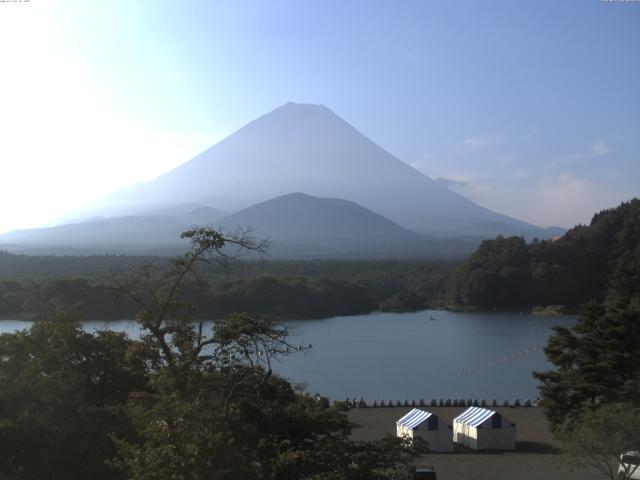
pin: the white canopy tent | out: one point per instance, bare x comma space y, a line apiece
483, 429
426, 425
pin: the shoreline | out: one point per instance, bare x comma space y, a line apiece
548, 311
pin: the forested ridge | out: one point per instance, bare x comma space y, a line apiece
33, 286
511, 273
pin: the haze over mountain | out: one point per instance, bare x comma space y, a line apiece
308, 148
377, 205
301, 225
297, 226
152, 231
299, 217
131, 234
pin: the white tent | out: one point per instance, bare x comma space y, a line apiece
426, 425
483, 429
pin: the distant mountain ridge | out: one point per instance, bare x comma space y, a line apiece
116, 230
297, 226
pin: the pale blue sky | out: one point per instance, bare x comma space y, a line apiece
533, 106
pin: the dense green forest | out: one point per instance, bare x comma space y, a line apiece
33, 286
511, 273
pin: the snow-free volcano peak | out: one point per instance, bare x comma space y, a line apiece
309, 148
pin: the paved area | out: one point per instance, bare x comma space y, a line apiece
536, 456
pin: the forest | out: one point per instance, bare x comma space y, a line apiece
569, 271
33, 286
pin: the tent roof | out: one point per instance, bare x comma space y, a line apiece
474, 416
414, 418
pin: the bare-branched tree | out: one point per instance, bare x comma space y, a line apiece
173, 327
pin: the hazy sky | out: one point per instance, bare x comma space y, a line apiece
533, 107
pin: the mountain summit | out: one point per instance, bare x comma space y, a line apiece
308, 148
298, 218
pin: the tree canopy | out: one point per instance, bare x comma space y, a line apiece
603, 438
597, 360
32, 287
183, 402
571, 270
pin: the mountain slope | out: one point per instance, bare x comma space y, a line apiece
151, 229
298, 226
303, 226
308, 148
301, 218
103, 235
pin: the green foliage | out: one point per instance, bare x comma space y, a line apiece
36, 300
285, 297
384, 459
39, 267
61, 395
180, 403
280, 289
228, 424
597, 360
290, 297
509, 273
600, 439
216, 410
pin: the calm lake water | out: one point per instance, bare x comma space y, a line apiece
396, 356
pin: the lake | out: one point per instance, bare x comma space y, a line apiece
410, 356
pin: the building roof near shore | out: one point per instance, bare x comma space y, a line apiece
474, 416
414, 418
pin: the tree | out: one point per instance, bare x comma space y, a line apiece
171, 326
214, 407
574, 269
341, 459
184, 402
597, 360
61, 396
601, 437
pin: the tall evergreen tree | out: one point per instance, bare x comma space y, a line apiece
597, 360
